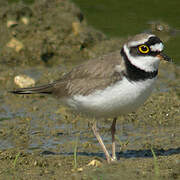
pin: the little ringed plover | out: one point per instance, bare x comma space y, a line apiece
109, 86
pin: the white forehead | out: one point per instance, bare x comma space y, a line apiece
157, 47
140, 41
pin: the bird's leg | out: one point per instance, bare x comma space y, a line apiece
96, 133
113, 131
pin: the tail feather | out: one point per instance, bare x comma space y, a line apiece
44, 89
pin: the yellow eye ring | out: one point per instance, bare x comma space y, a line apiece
143, 49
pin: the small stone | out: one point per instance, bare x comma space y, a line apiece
76, 27
59, 164
15, 44
25, 20
24, 81
95, 163
11, 23
35, 163
80, 169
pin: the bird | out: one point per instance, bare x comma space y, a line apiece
111, 85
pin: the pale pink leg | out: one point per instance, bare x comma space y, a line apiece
96, 133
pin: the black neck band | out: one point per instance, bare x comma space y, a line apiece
134, 73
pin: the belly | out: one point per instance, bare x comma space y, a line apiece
121, 98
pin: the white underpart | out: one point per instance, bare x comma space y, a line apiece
121, 98
157, 47
142, 41
146, 63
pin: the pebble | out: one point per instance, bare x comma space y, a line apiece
15, 44
24, 81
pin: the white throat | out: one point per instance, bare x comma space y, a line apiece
146, 63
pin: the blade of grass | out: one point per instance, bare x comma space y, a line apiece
156, 167
15, 160
75, 152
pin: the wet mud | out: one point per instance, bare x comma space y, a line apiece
40, 139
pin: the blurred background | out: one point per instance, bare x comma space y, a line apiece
117, 18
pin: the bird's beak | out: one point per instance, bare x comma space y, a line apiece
163, 56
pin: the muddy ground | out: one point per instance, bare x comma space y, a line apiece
39, 137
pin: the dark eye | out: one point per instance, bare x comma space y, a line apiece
143, 49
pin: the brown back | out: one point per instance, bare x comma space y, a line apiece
93, 74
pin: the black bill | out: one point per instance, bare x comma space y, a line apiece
165, 57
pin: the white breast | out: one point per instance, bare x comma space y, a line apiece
121, 98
